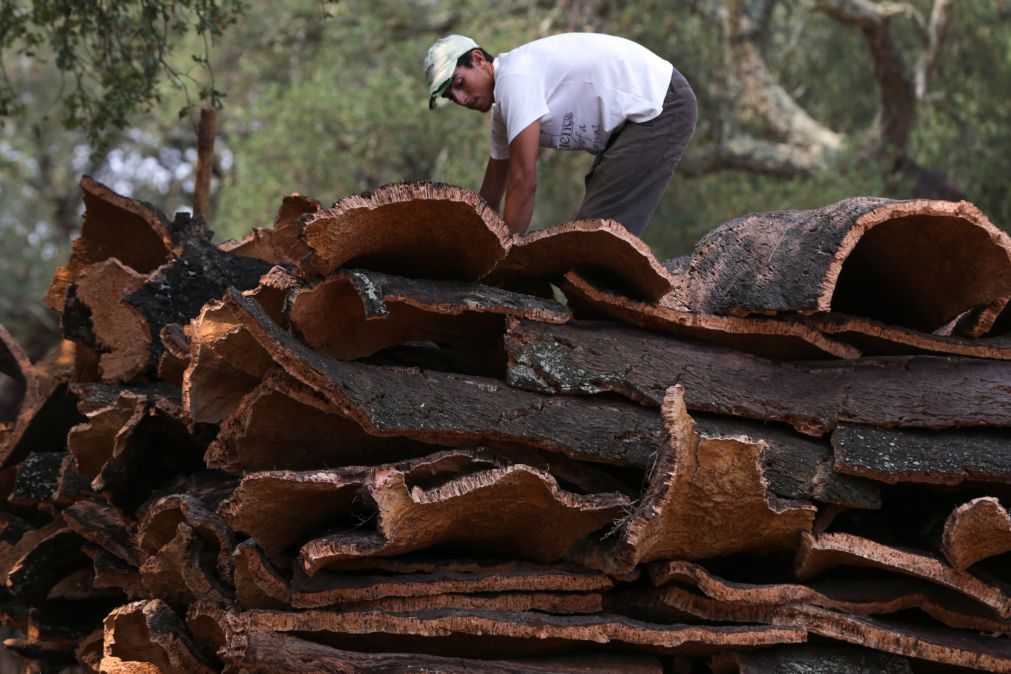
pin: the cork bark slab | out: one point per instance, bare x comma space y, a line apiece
601, 248
770, 338
939, 457
120, 330
875, 338
330, 588
113, 574
811, 659
178, 290
37, 479
149, 632
106, 527
928, 642
915, 391
707, 497
516, 511
279, 508
179, 572
976, 322
354, 313
135, 233
279, 653
976, 530
175, 357
819, 554
494, 634
384, 401
160, 521
426, 230
283, 243
858, 596
911, 263
40, 560
282, 424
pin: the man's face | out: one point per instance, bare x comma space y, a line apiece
473, 87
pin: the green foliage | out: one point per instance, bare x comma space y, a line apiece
111, 54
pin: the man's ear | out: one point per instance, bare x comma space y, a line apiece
477, 57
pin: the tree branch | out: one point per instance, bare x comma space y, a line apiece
747, 153
936, 32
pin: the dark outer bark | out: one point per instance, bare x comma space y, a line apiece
813, 659
178, 291
457, 410
945, 457
38, 477
915, 391
262, 652
51, 559
104, 526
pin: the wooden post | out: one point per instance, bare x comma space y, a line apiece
205, 163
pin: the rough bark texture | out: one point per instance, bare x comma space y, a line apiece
941, 457
916, 263
812, 397
148, 631
426, 230
603, 249
812, 659
976, 530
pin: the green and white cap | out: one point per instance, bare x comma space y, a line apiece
440, 62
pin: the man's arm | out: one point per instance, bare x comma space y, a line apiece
494, 183
522, 180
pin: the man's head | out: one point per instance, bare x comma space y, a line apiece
458, 69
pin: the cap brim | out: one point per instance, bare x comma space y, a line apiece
439, 91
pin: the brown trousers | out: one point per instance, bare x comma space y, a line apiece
628, 178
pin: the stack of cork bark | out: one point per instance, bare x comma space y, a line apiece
387, 436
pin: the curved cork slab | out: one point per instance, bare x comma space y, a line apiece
602, 249
258, 584
179, 572
279, 508
355, 313
976, 322
421, 229
283, 244
876, 338
917, 264
149, 631
106, 527
811, 659
856, 596
120, 329
283, 425
516, 511
511, 632
25, 396
819, 554
135, 233
976, 530
707, 497
162, 518
770, 338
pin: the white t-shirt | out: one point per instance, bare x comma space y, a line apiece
581, 86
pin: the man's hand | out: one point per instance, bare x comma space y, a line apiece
522, 181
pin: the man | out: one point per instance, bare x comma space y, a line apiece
577, 91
